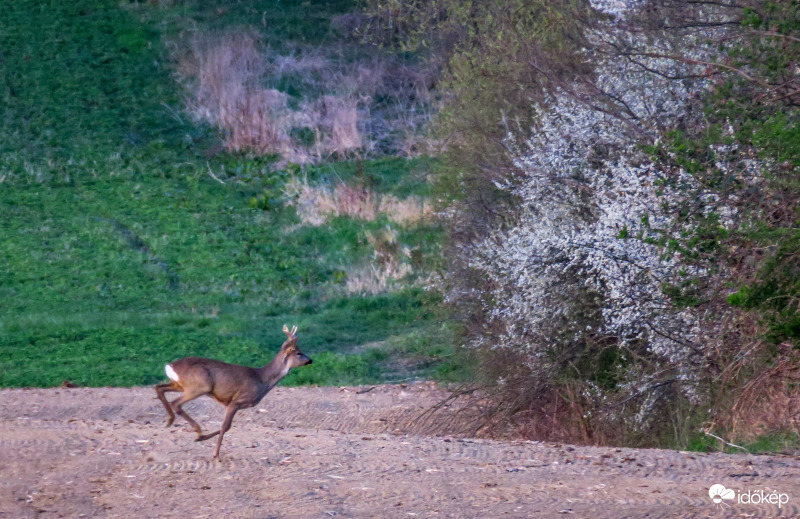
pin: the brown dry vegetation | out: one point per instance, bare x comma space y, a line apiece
317, 204
391, 262
227, 91
769, 402
349, 108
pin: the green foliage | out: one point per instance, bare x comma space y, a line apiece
601, 363
775, 291
487, 50
137, 264
773, 443
119, 252
337, 369
703, 443
766, 444
83, 81
756, 105
433, 352
495, 88
398, 176
286, 24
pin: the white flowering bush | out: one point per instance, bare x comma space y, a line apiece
622, 179
578, 277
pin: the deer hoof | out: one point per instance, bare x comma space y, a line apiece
169, 421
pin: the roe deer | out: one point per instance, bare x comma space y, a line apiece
235, 387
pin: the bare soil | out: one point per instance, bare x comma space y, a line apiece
340, 452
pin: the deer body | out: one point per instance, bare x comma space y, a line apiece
236, 387
225, 383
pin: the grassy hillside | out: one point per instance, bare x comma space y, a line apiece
120, 252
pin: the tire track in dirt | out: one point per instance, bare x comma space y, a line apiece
338, 452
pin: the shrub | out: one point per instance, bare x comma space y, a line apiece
612, 177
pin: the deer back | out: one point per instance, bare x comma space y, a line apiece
224, 382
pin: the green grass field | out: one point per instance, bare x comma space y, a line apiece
119, 252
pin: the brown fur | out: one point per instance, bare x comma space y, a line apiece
236, 387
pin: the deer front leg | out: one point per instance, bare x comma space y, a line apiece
230, 410
204, 437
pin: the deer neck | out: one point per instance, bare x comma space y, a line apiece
273, 372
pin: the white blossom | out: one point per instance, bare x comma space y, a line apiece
616, 7
577, 256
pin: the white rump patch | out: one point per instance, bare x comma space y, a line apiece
171, 373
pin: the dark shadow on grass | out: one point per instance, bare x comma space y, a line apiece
136, 242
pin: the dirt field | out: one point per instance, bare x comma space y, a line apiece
339, 452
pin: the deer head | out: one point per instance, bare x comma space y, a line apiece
292, 355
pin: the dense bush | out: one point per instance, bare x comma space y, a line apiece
624, 178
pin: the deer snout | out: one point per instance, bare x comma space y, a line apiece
306, 360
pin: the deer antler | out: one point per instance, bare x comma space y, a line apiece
290, 334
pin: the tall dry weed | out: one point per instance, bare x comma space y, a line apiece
389, 264
316, 205
770, 401
336, 123
226, 83
350, 108
407, 210
374, 278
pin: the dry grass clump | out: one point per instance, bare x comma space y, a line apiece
350, 108
316, 205
335, 121
770, 401
408, 210
225, 77
374, 279
389, 264
255, 120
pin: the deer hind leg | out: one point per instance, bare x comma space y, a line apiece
177, 406
160, 390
